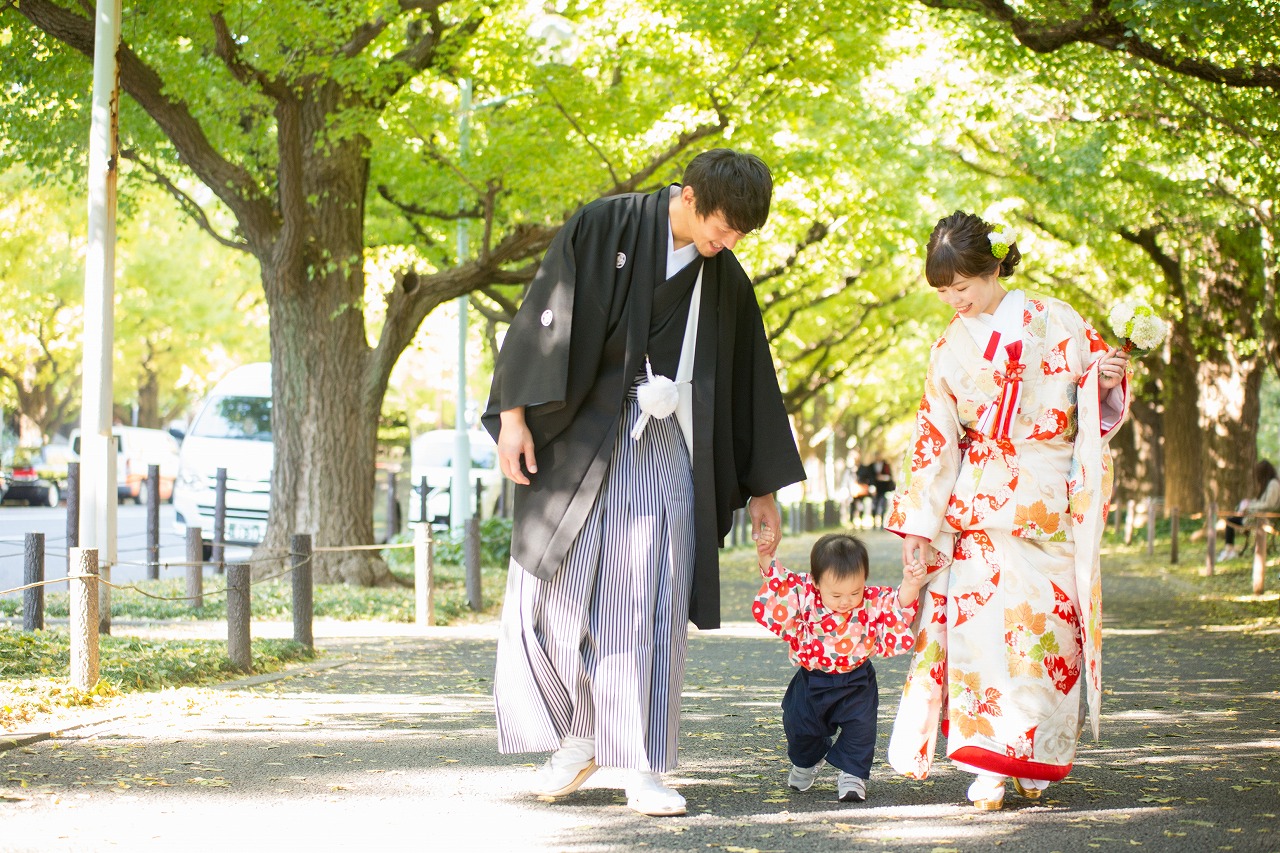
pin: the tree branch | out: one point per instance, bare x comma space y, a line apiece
185, 201
1102, 28
234, 185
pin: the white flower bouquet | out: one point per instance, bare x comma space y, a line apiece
1136, 322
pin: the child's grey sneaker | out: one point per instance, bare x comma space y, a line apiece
850, 788
801, 778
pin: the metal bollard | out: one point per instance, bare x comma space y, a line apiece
195, 567
471, 559
220, 520
238, 611
33, 572
422, 501
153, 522
84, 618
422, 575
302, 590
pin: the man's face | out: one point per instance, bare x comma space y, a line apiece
712, 234
709, 233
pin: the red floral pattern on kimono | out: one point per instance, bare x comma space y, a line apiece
1010, 617
790, 606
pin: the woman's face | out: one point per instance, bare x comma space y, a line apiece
972, 295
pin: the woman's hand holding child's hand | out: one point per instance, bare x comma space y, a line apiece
913, 575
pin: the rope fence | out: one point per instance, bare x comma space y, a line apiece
90, 602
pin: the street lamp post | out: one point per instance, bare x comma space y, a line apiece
460, 488
558, 45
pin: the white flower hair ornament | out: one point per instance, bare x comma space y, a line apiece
1001, 240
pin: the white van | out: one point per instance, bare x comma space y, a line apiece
138, 448
432, 457
231, 430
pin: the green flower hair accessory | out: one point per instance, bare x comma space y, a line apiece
1001, 241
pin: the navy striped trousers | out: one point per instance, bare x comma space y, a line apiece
599, 650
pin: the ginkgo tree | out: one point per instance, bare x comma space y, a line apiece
323, 128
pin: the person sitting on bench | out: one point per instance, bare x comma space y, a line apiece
1268, 500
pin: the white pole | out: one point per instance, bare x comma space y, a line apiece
97, 449
460, 488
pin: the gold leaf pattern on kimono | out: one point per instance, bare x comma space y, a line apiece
971, 705
1036, 519
1023, 628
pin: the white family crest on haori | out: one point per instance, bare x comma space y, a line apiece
621, 261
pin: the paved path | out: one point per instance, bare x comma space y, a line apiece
388, 743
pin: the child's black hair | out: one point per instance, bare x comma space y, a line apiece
840, 554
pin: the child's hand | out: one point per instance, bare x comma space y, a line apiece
766, 546
913, 575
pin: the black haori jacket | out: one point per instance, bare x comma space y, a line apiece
576, 344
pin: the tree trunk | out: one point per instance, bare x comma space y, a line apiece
1230, 405
1183, 438
149, 399
325, 405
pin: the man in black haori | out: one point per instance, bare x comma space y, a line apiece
636, 406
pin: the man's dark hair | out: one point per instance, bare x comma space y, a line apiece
736, 185
840, 554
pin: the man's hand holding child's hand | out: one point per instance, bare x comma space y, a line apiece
766, 546
913, 575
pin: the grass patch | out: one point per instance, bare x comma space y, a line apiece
34, 667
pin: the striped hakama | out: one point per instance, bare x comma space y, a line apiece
599, 650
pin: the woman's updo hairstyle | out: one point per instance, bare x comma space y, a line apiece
959, 245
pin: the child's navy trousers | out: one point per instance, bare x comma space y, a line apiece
818, 704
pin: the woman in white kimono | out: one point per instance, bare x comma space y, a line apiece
1005, 503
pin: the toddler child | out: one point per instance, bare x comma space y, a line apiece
834, 623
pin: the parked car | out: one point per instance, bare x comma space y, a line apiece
431, 456
39, 476
231, 430
136, 449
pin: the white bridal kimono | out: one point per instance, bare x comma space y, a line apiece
1009, 478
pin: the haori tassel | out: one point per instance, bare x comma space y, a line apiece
658, 398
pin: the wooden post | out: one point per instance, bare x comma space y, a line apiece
303, 608
1210, 537
1118, 519
220, 520
195, 568
84, 618
1128, 521
1173, 535
238, 610
153, 522
393, 507
1259, 555
1151, 527
73, 509
479, 493
422, 572
471, 559
33, 572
